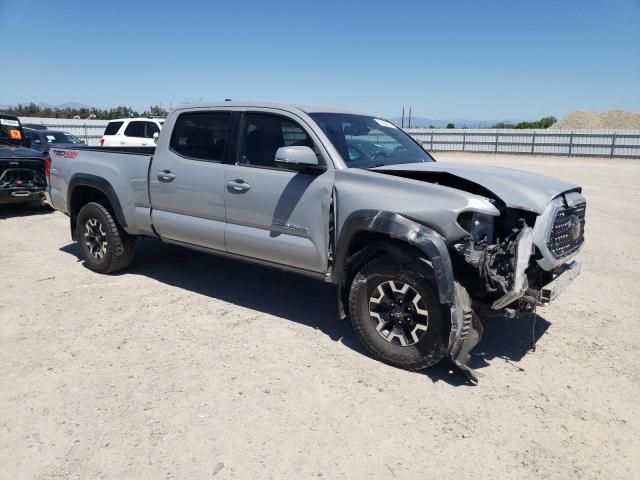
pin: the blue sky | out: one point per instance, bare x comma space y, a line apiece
446, 59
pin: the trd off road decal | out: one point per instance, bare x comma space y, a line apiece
65, 153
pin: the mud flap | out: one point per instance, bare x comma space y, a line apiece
466, 332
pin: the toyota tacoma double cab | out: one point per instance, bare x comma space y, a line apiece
22, 170
416, 247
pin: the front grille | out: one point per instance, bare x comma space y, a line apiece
567, 231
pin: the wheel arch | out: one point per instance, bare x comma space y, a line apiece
84, 188
368, 233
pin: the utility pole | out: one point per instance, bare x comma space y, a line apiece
402, 123
409, 117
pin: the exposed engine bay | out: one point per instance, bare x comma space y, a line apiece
506, 272
501, 266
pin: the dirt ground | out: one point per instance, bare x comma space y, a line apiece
189, 366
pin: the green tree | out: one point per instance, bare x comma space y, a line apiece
155, 111
450, 125
544, 122
121, 111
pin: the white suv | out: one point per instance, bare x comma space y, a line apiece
132, 132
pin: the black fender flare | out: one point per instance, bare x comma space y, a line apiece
398, 227
466, 328
100, 184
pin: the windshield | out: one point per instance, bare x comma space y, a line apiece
59, 137
10, 131
366, 142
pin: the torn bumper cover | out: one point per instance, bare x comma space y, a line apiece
520, 287
466, 332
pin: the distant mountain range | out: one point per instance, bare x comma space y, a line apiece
421, 122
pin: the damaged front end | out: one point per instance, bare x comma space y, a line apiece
520, 260
501, 266
492, 272
514, 262
512, 247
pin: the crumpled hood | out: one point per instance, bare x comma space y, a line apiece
7, 151
517, 189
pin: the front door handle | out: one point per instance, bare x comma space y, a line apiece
166, 176
238, 185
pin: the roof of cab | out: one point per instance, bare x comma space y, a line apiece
307, 108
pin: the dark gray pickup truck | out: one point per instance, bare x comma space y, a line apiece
22, 170
415, 247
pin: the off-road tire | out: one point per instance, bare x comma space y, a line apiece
120, 245
431, 347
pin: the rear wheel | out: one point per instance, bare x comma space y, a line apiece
397, 316
105, 246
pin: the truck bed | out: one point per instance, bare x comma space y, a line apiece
121, 171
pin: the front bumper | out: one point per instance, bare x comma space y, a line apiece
555, 287
523, 289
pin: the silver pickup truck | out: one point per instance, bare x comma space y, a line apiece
416, 248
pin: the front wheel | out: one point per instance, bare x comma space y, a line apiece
105, 247
397, 316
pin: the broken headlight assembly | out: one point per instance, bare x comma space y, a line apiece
479, 225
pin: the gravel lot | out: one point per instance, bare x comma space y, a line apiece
189, 366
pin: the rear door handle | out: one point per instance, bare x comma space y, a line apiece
238, 185
166, 176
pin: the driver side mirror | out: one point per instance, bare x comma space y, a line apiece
155, 136
298, 158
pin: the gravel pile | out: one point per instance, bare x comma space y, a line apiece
611, 119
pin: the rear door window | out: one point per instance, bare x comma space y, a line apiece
112, 128
201, 135
135, 129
